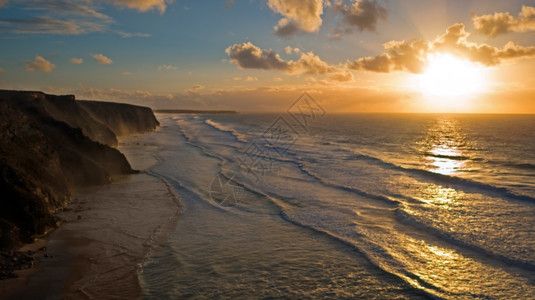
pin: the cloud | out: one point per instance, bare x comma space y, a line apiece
69, 8
333, 98
289, 50
142, 5
1, 70
363, 14
298, 15
69, 17
56, 17
126, 73
249, 56
455, 42
47, 25
167, 68
342, 77
129, 35
502, 22
408, 56
101, 59
311, 80
229, 3
39, 64
411, 56
277, 79
399, 56
310, 63
335, 36
3, 3
248, 78
286, 28
194, 91
77, 61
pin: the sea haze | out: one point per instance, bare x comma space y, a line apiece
349, 205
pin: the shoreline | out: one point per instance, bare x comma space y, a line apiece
33, 253
105, 236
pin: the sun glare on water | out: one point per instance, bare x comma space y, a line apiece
448, 81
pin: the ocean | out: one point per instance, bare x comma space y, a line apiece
386, 206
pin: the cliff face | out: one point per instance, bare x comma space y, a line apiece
123, 119
61, 108
49, 146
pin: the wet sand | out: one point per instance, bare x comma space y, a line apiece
109, 232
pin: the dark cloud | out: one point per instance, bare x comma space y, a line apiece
502, 22
286, 28
363, 14
380, 63
249, 56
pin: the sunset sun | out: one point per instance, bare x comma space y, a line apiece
451, 78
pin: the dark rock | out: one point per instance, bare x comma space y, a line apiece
11, 261
51, 145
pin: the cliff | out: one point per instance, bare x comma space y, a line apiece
122, 119
50, 146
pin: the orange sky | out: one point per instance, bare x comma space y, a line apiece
351, 56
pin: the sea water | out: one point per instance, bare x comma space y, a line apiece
346, 206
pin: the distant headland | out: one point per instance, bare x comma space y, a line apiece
193, 111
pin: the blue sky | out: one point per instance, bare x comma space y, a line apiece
174, 53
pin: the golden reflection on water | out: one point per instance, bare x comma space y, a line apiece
441, 197
443, 165
443, 147
443, 150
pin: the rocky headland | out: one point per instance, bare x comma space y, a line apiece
49, 147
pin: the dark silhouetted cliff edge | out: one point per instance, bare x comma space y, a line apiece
122, 119
51, 145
